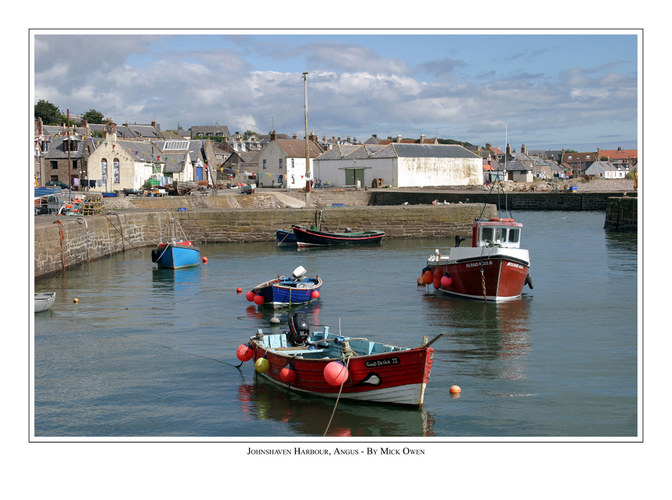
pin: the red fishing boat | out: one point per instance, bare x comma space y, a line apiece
324, 364
494, 268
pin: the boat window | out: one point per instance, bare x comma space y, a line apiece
514, 235
500, 234
487, 234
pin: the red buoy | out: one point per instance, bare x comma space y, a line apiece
446, 281
288, 374
239, 290
250, 296
258, 299
335, 373
315, 294
244, 353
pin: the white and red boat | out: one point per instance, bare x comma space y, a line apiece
329, 365
494, 268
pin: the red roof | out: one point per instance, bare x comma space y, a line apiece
618, 154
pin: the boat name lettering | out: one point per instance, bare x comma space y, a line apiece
480, 263
513, 264
382, 362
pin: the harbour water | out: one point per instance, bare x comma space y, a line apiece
151, 353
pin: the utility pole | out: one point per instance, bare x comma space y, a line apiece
305, 106
69, 163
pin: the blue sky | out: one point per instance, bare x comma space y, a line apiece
547, 89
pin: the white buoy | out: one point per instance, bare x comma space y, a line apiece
275, 320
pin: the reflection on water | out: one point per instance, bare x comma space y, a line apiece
486, 331
310, 415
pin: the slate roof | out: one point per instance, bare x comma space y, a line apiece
297, 148
221, 130
174, 162
58, 149
397, 150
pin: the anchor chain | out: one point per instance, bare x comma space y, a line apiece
485, 296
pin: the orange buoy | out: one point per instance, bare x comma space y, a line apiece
205, 260
455, 389
420, 281
75, 300
239, 290
427, 277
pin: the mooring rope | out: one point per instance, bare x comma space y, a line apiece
346, 354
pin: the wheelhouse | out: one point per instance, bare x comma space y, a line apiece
504, 233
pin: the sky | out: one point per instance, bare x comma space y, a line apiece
545, 89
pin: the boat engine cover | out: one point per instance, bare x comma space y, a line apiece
299, 329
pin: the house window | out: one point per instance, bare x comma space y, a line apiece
116, 171
280, 163
103, 170
264, 164
54, 164
292, 162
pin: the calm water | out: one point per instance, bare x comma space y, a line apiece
150, 352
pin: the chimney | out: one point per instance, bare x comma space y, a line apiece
422, 138
399, 138
273, 136
295, 137
523, 149
508, 150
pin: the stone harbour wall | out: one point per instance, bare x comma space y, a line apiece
63, 242
621, 214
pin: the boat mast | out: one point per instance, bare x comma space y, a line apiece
305, 107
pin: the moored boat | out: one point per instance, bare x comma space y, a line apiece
494, 268
287, 290
285, 237
312, 237
44, 301
176, 254
324, 364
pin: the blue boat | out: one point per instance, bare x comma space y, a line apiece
287, 291
176, 254
285, 237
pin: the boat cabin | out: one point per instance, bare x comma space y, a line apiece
503, 233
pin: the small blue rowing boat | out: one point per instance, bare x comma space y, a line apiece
287, 291
176, 254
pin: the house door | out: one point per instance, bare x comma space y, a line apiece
352, 175
199, 173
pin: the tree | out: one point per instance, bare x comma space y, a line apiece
49, 113
93, 116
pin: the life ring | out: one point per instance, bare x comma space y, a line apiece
495, 219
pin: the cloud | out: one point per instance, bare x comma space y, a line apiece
352, 90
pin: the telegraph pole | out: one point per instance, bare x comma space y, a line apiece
69, 163
305, 106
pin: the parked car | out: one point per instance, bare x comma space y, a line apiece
248, 188
62, 185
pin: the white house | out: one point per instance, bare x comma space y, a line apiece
282, 163
399, 165
606, 170
115, 166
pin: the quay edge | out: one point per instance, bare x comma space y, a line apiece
63, 242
